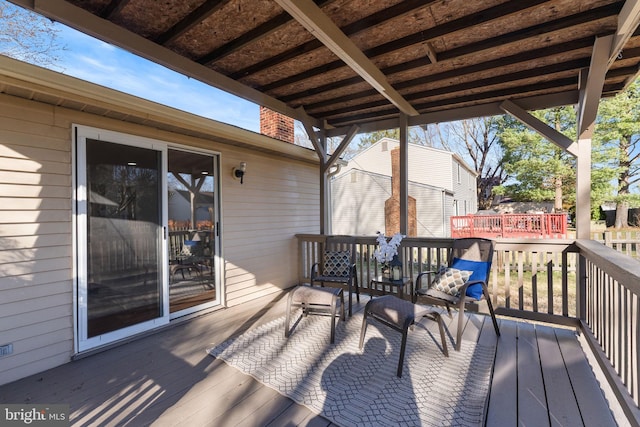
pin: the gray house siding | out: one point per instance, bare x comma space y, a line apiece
440, 182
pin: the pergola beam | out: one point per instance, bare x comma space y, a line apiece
311, 17
540, 127
353, 131
88, 23
590, 86
628, 20
483, 110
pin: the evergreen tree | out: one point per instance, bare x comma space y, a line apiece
618, 131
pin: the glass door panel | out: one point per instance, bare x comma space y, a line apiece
192, 224
124, 236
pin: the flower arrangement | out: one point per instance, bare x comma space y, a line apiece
387, 249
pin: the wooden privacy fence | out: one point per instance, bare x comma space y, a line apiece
580, 283
626, 242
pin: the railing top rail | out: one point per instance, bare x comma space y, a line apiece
507, 244
620, 267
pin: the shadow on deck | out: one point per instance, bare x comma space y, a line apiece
541, 377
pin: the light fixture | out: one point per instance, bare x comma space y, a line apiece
238, 173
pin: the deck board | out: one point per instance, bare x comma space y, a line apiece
592, 403
532, 402
503, 397
167, 378
563, 407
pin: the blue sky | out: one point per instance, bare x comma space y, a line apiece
98, 62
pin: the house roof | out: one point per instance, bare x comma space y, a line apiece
414, 147
338, 63
383, 177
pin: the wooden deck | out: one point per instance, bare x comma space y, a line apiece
541, 377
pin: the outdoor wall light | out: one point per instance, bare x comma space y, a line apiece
238, 173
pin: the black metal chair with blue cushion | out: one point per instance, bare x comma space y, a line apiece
463, 282
338, 267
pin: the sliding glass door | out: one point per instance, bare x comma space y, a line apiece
146, 221
192, 195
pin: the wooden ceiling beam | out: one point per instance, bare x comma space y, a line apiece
533, 73
259, 32
374, 19
559, 84
112, 8
514, 36
628, 20
198, 15
523, 57
462, 113
314, 20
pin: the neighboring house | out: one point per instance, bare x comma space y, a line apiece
440, 182
179, 204
85, 175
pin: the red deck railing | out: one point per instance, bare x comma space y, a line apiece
510, 225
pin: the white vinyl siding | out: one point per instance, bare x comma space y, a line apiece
36, 288
358, 203
259, 220
278, 199
437, 179
358, 200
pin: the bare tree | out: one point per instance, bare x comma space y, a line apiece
29, 37
476, 141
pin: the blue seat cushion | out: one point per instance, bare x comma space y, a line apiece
480, 271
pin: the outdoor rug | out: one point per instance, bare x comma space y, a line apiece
353, 387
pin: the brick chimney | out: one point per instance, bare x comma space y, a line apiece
276, 125
392, 204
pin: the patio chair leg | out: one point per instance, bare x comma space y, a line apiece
443, 337
460, 327
363, 330
355, 281
403, 346
333, 318
287, 321
493, 314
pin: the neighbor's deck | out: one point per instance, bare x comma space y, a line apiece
167, 379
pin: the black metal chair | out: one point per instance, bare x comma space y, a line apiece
464, 282
338, 267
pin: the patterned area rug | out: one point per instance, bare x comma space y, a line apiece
353, 387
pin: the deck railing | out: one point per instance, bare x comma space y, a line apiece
574, 283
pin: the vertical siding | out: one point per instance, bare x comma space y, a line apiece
35, 239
